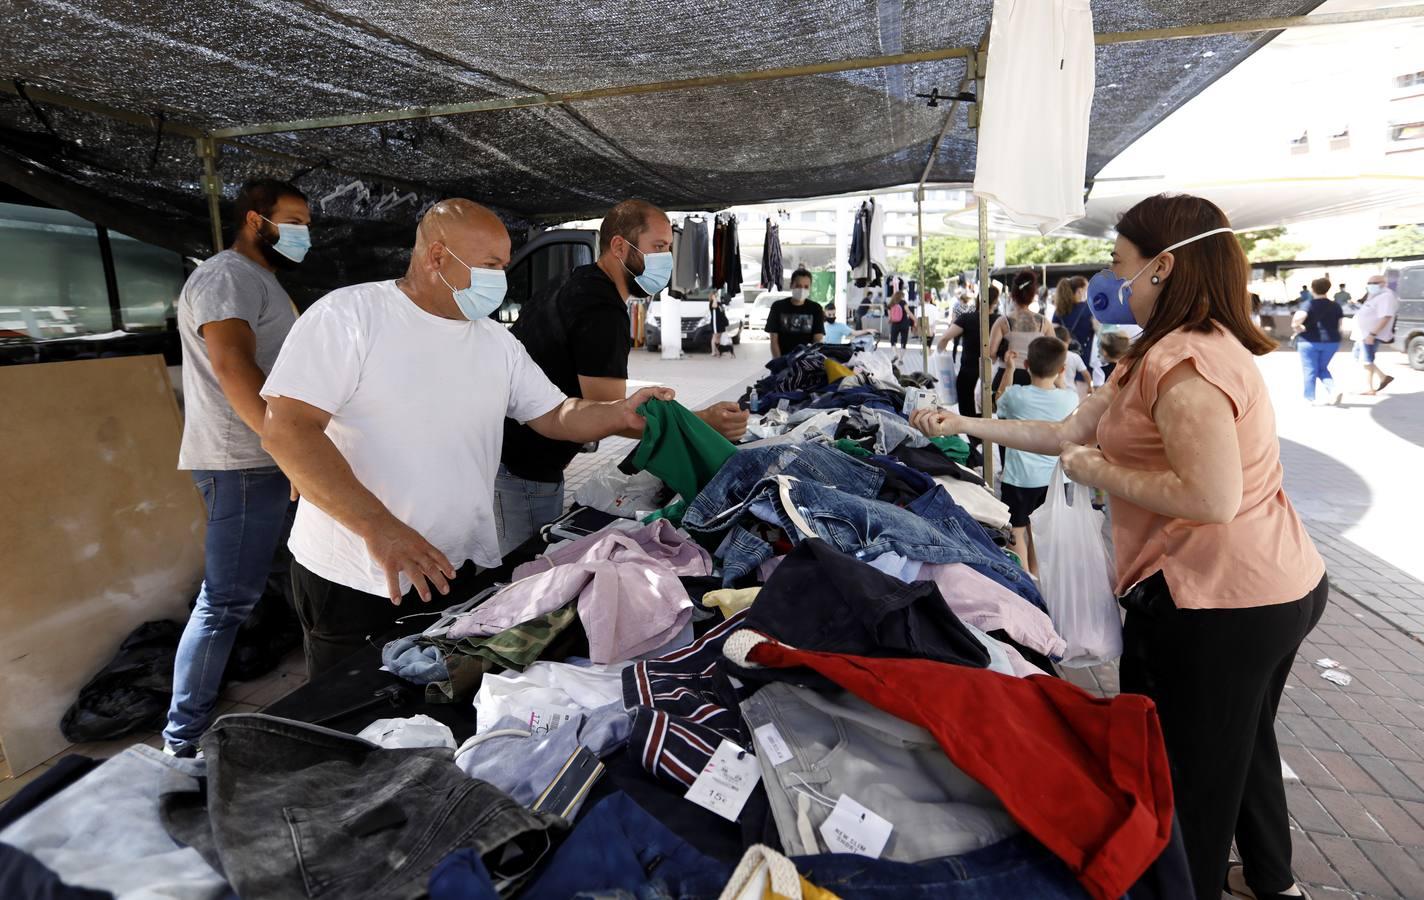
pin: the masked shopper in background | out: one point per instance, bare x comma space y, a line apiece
1220, 581
233, 317
580, 336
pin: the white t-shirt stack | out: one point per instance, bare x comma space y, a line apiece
417, 407
1038, 96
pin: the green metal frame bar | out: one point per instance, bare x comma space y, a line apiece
530, 101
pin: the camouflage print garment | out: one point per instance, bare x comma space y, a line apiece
468, 659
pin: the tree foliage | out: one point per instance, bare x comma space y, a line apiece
1269, 244
947, 255
1406, 240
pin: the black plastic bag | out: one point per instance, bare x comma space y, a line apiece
131, 693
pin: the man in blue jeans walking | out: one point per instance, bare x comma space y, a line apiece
233, 316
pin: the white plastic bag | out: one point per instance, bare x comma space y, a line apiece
620, 495
1073, 570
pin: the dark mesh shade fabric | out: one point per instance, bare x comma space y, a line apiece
207, 64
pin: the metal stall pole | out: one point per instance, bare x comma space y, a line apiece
985, 360
986, 389
212, 187
924, 296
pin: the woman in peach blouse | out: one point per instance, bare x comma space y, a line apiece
1220, 581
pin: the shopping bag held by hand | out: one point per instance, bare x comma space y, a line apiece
1073, 573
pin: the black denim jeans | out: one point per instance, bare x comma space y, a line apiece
338, 620
821, 599
298, 811
1217, 676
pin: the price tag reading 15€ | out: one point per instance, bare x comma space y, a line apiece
726, 782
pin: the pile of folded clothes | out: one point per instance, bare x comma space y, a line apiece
815, 674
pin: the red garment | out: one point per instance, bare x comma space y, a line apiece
1086, 776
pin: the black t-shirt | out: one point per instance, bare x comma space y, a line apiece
581, 328
1322, 321
795, 325
970, 323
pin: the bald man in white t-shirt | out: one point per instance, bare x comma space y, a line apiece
386, 410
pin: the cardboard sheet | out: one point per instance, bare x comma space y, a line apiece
99, 532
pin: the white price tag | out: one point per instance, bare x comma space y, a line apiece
544, 719
769, 739
726, 782
851, 828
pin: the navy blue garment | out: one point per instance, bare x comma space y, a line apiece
859, 395
617, 850
1079, 323
802, 369
909, 483
23, 876
820, 599
1017, 868
768, 401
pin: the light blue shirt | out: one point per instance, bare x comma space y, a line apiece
1024, 401
837, 333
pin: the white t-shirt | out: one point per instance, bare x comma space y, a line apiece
1375, 310
417, 408
1041, 71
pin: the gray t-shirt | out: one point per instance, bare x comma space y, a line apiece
227, 286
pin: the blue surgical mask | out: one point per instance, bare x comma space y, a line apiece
657, 270
1108, 295
485, 293
293, 241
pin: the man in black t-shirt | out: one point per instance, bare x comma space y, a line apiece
580, 335
796, 321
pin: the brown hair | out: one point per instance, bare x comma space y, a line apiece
1024, 288
1113, 345
1321, 286
1046, 356
1207, 287
1066, 290
627, 220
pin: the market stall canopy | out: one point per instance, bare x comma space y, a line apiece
1249, 204
104, 100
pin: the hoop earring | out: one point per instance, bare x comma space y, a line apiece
1156, 280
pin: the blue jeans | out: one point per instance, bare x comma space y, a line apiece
248, 518
1315, 363
523, 507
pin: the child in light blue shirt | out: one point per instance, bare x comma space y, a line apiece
1045, 398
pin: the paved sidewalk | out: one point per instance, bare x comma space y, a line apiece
1356, 475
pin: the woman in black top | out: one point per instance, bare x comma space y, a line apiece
718, 318
967, 325
1317, 327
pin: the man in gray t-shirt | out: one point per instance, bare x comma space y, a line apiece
233, 316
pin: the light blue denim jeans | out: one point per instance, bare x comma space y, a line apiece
248, 518
523, 507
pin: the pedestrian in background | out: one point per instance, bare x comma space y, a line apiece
1318, 330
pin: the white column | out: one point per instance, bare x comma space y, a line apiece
670, 321
842, 251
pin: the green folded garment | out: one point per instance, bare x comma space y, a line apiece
681, 449
952, 446
846, 445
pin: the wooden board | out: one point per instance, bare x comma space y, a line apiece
98, 532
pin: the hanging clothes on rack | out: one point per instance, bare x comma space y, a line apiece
727, 274
771, 266
867, 246
719, 253
690, 266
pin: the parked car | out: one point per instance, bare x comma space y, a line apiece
1409, 327
544, 263
761, 310
696, 323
